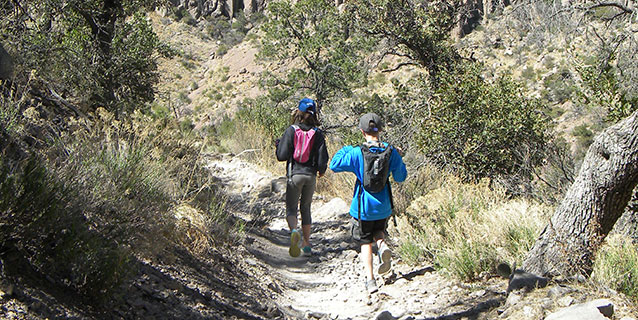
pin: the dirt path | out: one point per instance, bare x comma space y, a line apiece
330, 284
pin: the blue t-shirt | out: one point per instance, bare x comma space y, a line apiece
374, 206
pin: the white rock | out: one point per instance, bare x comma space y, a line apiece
565, 301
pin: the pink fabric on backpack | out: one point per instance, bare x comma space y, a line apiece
303, 144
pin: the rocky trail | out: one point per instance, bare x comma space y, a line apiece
330, 284
255, 278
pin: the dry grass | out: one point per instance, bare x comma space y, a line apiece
616, 265
467, 228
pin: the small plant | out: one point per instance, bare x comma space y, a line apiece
221, 50
616, 266
411, 252
183, 98
529, 74
584, 135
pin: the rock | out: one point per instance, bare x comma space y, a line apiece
558, 291
278, 185
315, 315
385, 315
565, 301
605, 307
513, 299
593, 310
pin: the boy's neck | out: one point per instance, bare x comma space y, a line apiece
371, 138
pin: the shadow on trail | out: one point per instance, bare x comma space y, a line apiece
194, 288
474, 311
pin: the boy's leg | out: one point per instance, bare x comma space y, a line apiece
366, 259
385, 255
366, 236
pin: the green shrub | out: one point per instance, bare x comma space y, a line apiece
41, 219
559, 86
466, 228
221, 50
529, 74
603, 89
584, 135
468, 261
480, 128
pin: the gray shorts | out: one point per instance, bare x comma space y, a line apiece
299, 191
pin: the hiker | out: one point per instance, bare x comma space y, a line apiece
303, 146
372, 163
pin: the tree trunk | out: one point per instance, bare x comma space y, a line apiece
591, 206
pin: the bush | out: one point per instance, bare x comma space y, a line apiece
86, 203
480, 128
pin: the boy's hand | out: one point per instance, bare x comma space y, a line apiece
400, 151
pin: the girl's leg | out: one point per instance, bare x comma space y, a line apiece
292, 203
307, 191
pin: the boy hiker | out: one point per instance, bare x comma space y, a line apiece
303, 147
371, 205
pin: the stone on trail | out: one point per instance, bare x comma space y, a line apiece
594, 310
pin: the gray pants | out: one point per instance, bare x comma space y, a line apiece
304, 186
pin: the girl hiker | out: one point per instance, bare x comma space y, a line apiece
303, 146
372, 163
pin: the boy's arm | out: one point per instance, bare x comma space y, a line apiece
397, 167
342, 161
285, 146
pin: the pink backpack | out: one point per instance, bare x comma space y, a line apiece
303, 143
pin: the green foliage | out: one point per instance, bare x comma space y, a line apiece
264, 113
584, 135
82, 206
101, 53
39, 219
602, 89
559, 86
410, 252
417, 31
314, 33
221, 50
468, 261
482, 129
465, 228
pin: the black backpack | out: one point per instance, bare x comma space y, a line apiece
375, 173
375, 166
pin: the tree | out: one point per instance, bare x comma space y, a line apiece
98, 52
315, 40
592, 205
418, 32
